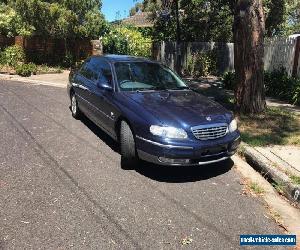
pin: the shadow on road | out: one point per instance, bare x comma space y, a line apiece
171, 174
101, 134
175, 174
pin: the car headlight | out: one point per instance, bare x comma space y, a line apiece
168, 132
233, 126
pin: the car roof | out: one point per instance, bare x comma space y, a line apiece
124, 58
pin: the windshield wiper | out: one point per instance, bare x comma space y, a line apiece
180, 88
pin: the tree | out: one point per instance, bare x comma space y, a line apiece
201, 20
11, 23
248, 30
126, 41
139, 7
293, 17
276, 15
61, 18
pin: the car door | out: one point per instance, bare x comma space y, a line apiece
79, 84
102, 98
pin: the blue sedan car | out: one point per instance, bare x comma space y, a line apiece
151, 112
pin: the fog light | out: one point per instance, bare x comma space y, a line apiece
173, 161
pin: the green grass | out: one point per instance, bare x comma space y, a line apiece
256, 188
279, 187
295, 179
274, 127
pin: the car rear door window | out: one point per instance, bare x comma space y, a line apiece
89, 71
105, 75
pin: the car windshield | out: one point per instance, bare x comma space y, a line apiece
142, 76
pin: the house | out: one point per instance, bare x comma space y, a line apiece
140, 20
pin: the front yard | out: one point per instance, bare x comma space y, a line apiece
277, 126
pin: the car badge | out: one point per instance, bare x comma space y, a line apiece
208, 118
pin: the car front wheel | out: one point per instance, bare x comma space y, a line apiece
127, 143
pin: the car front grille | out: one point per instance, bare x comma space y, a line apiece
210, 131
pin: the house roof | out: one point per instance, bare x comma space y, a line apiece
140, 19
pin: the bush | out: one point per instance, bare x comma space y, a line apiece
229, 80
277, 83
68, 60
201, 64
12, 56
296, 97
127, 41
26, 69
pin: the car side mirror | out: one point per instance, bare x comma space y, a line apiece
105, 86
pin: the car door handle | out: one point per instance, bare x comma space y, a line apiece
80, 86
85, 88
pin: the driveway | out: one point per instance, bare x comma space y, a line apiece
62, 186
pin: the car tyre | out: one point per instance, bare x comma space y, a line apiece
74, 107
127, 144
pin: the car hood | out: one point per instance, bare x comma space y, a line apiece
184, 108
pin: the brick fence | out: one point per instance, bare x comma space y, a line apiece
49, 50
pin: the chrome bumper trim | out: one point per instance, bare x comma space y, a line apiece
163, 145
214, 161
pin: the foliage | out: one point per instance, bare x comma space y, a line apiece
12, 56
292, 20
60, 18
280, 85
68, 60
256, 188
25, 69
11, 23
137, 8
44, 69
229, 80
277, 83
283, 17
201, 64
126, 41
33, 68
295, 179
206, 20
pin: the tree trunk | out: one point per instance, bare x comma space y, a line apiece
248, 29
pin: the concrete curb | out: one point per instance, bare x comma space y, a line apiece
269, 171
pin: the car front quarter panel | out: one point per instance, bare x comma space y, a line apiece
139, 118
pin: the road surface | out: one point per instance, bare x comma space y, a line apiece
62, 186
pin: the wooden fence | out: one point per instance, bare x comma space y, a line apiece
50, 50
165, 52
282, 53
279, 53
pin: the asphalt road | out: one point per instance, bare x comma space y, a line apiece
62, 186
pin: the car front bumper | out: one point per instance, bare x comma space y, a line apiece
187, 155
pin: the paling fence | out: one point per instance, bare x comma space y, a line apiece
279, 53
165, 52
283, 53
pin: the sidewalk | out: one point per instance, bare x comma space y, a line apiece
58, 80
287, 158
